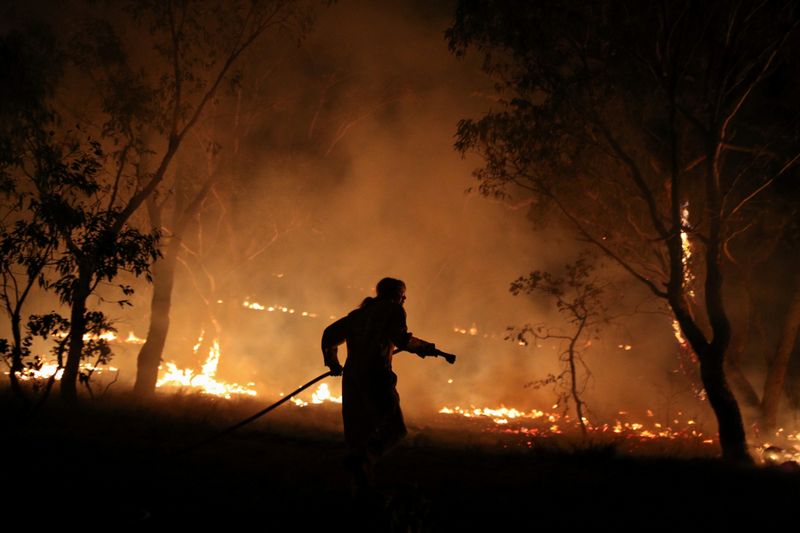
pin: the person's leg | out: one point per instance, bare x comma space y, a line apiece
358, 465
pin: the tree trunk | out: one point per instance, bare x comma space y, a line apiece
150, 354
16, 360
69, 380
776, 375
732, 437
574, 377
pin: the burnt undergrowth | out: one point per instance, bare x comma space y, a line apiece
119, 463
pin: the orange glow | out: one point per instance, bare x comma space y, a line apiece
48, 369
205, 381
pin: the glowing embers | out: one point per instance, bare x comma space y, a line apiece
787, 452
544, 424
255, 306
321, 395
204, 382
676, 330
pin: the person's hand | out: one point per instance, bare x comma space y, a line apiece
336, 369
428, 348
450, 358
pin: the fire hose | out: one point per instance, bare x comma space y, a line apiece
246, 421
450, 358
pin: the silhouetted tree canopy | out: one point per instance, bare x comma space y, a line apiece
651, 130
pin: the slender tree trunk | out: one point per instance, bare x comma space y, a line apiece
711, 355
732, 437
150, 354
574, 376
16, 360
776, 375
69, 380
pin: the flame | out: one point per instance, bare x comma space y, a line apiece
204, 382
686, 245
676, 330
321, 395
47, 370
133, 339
108, 336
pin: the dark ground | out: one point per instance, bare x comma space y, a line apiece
110, 466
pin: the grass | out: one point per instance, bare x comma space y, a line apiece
113, 464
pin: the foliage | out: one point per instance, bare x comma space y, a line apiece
649, 130
55, 221
579, 298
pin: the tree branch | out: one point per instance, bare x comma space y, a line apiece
769, 182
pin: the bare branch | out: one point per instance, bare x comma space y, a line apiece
644, 190
769, 182
588, 237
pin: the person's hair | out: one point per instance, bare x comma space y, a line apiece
386, 289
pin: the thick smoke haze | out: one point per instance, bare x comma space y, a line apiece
389, 199
347, 175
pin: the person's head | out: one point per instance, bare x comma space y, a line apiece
393, 290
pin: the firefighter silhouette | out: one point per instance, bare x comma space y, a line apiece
373, 421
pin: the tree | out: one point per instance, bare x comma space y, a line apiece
578, 296
25, 248
149, 110
766, 291
259, 147
51, 214
183, 197
646, 129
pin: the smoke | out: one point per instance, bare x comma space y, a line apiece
345, 174
389, 199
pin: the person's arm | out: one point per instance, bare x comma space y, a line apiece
420, 347
332, 337
403, 339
